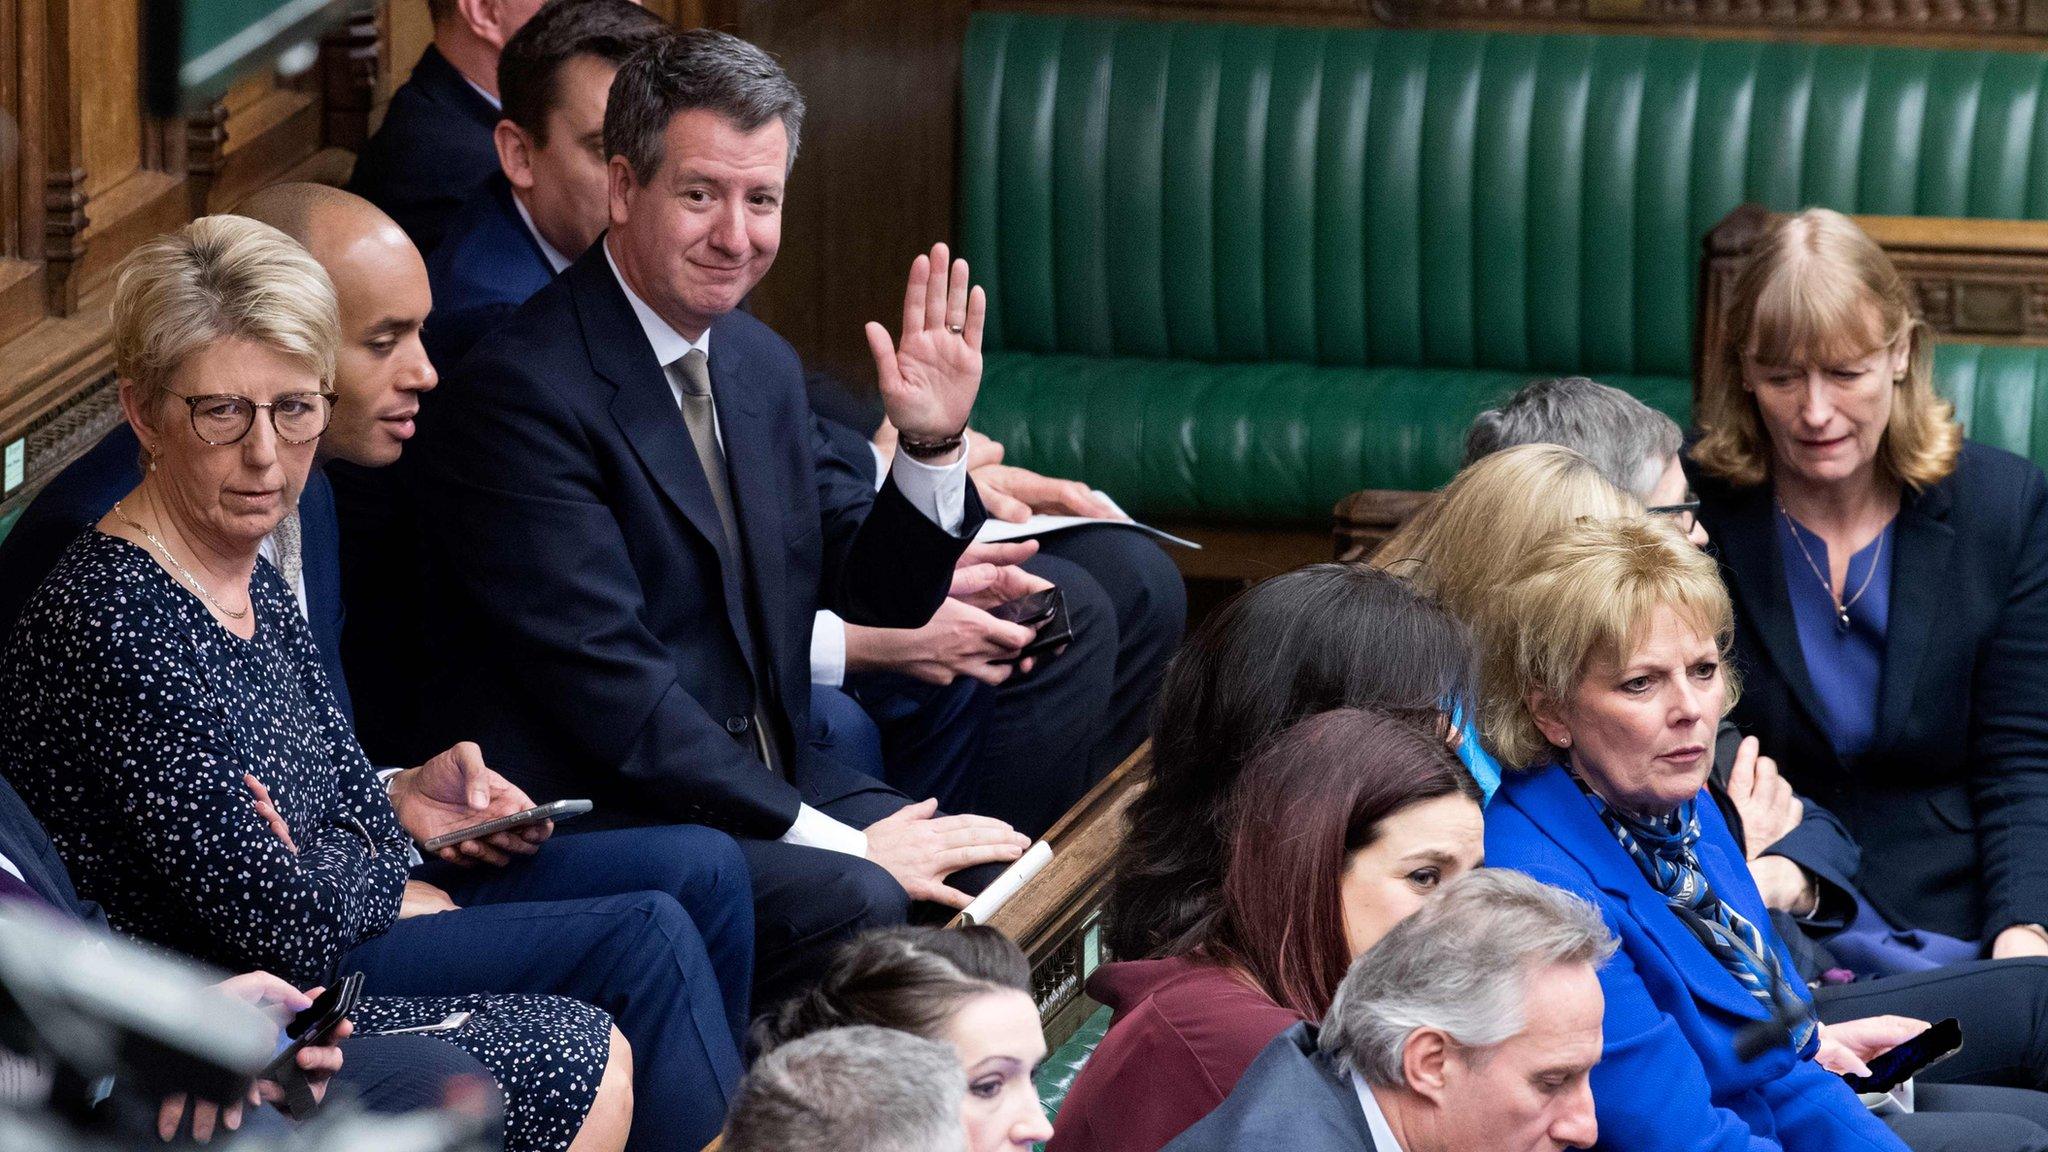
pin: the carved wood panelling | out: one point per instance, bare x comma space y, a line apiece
85, 176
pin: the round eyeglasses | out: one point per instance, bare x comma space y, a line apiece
221, 419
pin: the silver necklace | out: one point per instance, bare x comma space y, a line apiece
1826, 585
164, 548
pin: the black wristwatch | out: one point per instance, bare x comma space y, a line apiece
927, 449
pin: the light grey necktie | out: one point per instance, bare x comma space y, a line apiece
693, 374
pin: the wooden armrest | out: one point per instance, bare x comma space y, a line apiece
1054, 916
1982, 281
1363, 520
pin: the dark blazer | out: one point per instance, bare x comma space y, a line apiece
1951, 801
599, 641
432, 153
1668, 1076
24, 842
486, 266
81, 494
1292, 1097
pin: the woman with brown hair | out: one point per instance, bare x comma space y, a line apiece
1890, 582
1337, 830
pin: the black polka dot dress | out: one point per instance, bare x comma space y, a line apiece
128, 719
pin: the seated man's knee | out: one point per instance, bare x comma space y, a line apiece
867, 896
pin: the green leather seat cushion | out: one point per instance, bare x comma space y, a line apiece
1278, 443
1343, 242
1056, 1076
1269, 444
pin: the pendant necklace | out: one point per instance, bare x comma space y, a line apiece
1827, 586
164, 548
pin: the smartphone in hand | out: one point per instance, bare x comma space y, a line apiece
558, 811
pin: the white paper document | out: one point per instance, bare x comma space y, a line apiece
994, 531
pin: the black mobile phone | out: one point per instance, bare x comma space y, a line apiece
1029, 610
558, 811
1054, 631
1894, 1067
315, 1024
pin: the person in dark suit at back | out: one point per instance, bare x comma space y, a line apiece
622, 503
1470, 1027
545, 201
433, 151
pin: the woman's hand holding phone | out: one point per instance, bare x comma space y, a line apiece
319, 1062
457, 790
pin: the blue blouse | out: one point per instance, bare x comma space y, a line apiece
1844, 666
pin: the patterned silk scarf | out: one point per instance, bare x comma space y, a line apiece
1664, 849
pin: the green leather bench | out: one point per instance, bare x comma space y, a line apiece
1237, 272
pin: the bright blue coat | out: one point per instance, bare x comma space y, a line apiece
1668, 1078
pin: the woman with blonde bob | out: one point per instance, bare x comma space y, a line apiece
1604, 676
1891, 585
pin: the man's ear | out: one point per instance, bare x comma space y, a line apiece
1549, 717
1423, 1056
515, 153
486, 19
620, 188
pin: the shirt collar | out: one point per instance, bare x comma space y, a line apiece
1375, 1116
669, 345
556, 261
479, 89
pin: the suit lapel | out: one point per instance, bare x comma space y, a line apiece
1569, 820
1922, 539
644, 408
1750, 554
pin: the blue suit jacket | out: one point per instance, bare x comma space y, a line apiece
599, 640
1291, 1098
1951, 799
486, 266
432, 153
1668, 1077
81, 494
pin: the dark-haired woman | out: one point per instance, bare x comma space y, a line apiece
1338, 830
1321, 637
969, 987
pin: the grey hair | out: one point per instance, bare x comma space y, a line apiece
1460, 965
1630, 442
858, 1089
700, 68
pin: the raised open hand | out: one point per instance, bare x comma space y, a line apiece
929, 377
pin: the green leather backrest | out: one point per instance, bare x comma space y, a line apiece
1233, 192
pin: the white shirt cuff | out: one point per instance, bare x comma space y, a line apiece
814, 829
881, 465
937, 490
828, 649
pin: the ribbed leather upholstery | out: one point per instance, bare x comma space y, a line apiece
1155, 206
1057, 1074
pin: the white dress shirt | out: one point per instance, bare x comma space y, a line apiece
556, 261
1375, 1117
938, 491
13, 869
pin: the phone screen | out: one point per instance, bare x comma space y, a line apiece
1893, 1068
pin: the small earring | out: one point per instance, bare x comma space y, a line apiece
152, 461
1565, 742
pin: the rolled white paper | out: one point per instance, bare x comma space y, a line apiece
1005, 886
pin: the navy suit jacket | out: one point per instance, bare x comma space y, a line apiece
598, 640
1952, 798
1668, 1077
487, 265
24, 842
1292, 1097
432, 153
80, 495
